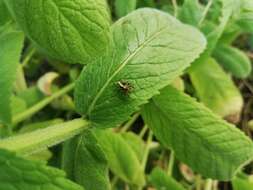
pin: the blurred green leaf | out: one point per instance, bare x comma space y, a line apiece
216, 90
161, 181
122, 159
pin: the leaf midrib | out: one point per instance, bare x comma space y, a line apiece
121, 66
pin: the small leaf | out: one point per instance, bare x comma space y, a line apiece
152, 48
221, 95
11, 44
245, 20
85, 162
123, 7
136, 143
233, 60
18, 173
191, 12
160, 180
242, 182
213, 30
72, 31
205, 142
121, 157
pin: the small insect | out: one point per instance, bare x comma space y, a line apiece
125, 86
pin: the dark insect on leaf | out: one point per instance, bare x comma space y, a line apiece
125, 86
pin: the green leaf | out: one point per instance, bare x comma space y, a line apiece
18, 105
233, 60
123, 7
11, 44
160, 180
136, 143
245, 20
214, 29
85, 162
220, 95
72, 31
4, 13
121, 157
151, 49
191, 12
205, 142
242, 182
18, 173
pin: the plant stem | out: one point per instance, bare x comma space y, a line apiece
209, 4
28, 56
130, 122
37, 107
175, 6
35, 141
208, 184
171, 163
146, 152
143, 131
198, 182
20, 84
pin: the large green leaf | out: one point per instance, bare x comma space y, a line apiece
202, 140
161, 181
73, 31
122, 159
220, 95
11, 44
18, 173
151, 49
233, 60
85, 162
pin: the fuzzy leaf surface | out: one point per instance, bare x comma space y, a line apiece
85, 162
18, 173
72, 31
151, 49
11, 44
191, 130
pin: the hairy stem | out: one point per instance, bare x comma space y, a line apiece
37, 107
35, 141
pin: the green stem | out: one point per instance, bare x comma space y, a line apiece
171, 163
208, 184
37, 107
20, 84
130, 122
198, 182
175, 6
28, 57
35, 141
205, 12
143, 131
146, 151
